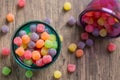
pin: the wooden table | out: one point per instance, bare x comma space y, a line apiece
96, 64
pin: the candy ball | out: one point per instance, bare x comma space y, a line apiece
28, 62
20, 51
5, 51
10, 17
89, 28
47, 20
40, 43
22, 32
79, 53
27, 54
89, 42
25, 39
71, 21
5, 29
71, 67
40, 28
34, 36
6, 71
40, 63
45, 36
48, 44
67, 6
17, 41
44, 51
57, 74
33, 27
52, 52
28, 74
81, 45
36, 55
84, 36
47, 59
21, 3
72, 47
111, 47
31, 44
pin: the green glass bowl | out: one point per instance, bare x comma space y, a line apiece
26, 27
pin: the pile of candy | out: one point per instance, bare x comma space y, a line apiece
101, 24
37, 47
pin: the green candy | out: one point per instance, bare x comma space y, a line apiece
52, 37
28, 74
48, 44
54, 44
6, 71
28, 62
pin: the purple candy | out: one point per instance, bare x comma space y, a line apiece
81, 45
47, 20
52, 52
31, 44
95, 32
89, 42
116, 25
34, 36
33, 28
22, 32
5, 29
71, 21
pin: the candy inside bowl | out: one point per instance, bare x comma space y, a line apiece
35, 45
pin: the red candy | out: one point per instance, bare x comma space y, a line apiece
40, 63
5, 51
40, 28
21, 3
18, 41
71, 67
27, 54
84, 36
111, 47
47, 59
89, 28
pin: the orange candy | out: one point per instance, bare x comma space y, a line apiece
25, 39
20, 51
40, 43
45, 36
36, 55
79, 53
10, 17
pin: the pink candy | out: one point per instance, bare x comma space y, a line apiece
40, 63
5, 51
18, 41
40, 28
27, 55
84, 36
21, 3
89, 28
111, 47
71, 67
47, 59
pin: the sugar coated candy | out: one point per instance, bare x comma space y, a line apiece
79, 53
31, 44
10, 17
25, 39
22, 32
29, 74
71, 21
27, 54
5, 29
81, 45
17, 41
34, 36
67, 6
45, 36
111, 47
71, 67
28, 62
72, 47
89, 42
21, 3
20, 51
47, 59
33, 27
6, 71
40, 28
52, 52
40, 43
5, 51
57, 74
40, 62
84, 36
47, 20
36, 55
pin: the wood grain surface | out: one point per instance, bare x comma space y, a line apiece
96, 64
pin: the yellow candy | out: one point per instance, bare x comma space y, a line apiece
67, 6
61, 38
24, 46
44, 51
57, 74
116, 20
101, 21
103, 32
72, 47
